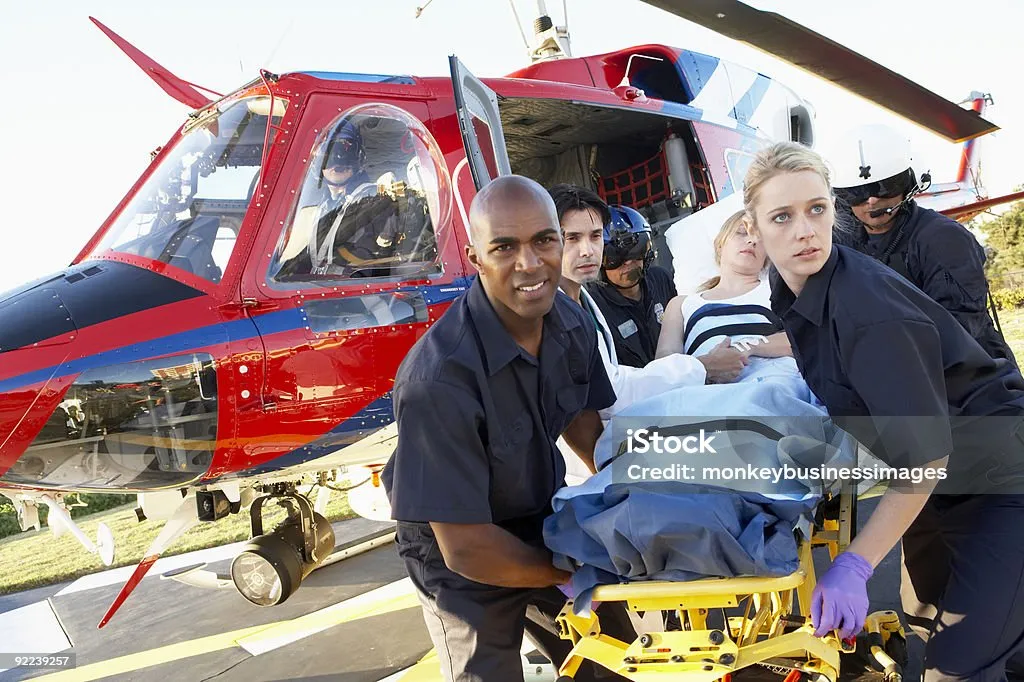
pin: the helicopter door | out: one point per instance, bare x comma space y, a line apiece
480, 122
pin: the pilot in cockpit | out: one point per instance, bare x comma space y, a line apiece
359, 227
345, 183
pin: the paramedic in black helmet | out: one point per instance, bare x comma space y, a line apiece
875, 187
632, 293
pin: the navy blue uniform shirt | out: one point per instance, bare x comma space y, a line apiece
478, 416
636, 325
944, 260
870, 344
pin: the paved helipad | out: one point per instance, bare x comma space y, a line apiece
355, 621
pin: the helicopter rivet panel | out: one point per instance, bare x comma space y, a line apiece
697, 70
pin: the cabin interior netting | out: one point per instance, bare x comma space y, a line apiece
643, 160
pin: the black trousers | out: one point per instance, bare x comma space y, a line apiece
478, 629
963, 585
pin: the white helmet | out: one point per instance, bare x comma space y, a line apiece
869, 154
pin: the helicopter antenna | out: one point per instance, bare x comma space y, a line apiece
565, 23
280, 41
419, 10
519, 24
515, 13
550, 41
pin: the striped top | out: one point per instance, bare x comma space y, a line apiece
746, 319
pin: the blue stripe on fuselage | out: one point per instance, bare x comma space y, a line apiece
751, 99
239, 330
696, 70
371, 418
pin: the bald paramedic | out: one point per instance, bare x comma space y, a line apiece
480, 401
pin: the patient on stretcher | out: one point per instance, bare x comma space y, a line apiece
729, 503
734, 307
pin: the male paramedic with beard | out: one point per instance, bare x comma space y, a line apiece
480, 400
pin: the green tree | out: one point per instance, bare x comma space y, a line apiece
1004, 241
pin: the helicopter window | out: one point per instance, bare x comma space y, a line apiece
189, 210
483, 135
737, 163
376, 188
135, 425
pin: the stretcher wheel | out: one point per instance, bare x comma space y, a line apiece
896, 647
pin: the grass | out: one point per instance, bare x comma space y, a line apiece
36, 558
1012, 322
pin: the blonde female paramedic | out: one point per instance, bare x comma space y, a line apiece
903, 376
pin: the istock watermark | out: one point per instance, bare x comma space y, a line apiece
643, 441
799, 454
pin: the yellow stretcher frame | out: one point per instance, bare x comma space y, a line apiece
774, 632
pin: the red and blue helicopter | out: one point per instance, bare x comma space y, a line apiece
230, 334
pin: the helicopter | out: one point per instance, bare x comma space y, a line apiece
230, 335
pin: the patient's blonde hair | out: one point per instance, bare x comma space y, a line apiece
729, 228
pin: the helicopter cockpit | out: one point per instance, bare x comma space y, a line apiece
369, 202
189, 210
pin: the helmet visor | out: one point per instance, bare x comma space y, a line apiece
626, 247
896, 186
342, 154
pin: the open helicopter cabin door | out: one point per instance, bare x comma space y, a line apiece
480, 123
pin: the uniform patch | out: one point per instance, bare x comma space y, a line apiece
659, 312
627, 329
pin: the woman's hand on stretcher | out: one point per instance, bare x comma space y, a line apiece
840, 598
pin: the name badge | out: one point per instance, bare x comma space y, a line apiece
659, 312
627, 329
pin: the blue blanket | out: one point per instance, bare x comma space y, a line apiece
613, 528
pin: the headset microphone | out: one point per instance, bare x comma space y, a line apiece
878, 213
926, 182
887, 211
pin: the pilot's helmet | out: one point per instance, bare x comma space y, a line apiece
344, 148
872, 160
627, 236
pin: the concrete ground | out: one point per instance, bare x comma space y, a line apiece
355, 621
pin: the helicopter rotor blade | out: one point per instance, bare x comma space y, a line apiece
827, 59
179, 89
962, 213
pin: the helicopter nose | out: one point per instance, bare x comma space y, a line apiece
28, 400
35, 318
36, 335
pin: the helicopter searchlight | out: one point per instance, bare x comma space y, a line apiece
271, 566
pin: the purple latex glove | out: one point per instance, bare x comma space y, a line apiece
840, 599
566, 589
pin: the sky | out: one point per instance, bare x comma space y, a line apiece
79, 119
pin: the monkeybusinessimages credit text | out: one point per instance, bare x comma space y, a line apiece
649, 442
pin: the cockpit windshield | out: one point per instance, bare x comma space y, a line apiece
189, 211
